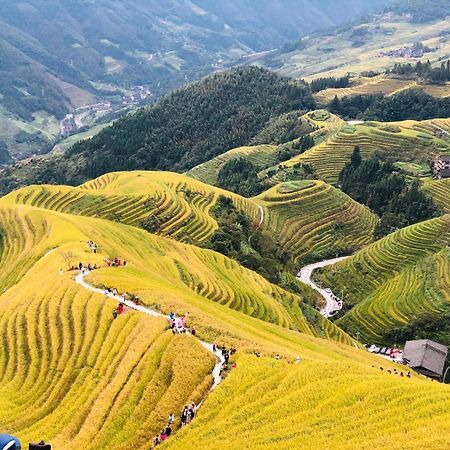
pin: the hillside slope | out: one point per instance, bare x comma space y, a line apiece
314, 220
395, 280
67, 53
397, 142
309, 219
365, 45
187, 127
439, 191
73, 376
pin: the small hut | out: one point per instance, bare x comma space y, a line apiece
426, 357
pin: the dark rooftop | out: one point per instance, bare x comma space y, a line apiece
425, 356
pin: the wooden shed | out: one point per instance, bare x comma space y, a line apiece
426, 357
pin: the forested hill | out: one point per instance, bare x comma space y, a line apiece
58, 55
185, 128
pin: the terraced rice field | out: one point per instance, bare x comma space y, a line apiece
178, 206
439, 190
394, 279
318, 406
73, 376
312, 219
306, 222
407, 141
260, 155
370, 86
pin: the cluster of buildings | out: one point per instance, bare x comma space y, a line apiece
416, 51
441, 167
139, 93
76, 120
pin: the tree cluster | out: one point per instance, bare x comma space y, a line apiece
282, 129
241, 176
424, 70
238, 238
331, 82
413, 104
384, 190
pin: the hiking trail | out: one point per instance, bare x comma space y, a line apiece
220, 360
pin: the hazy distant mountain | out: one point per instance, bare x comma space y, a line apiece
52, 51
375, 43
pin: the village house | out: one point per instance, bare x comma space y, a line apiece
442, 167
426, 357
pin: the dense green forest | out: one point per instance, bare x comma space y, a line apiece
331, 82
185, 128
386, 191
412, 104
241, 176
284, 128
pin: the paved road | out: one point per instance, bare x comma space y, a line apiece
305, 277
79, 279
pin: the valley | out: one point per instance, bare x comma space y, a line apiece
209, 253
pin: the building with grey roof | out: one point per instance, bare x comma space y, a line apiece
426, 357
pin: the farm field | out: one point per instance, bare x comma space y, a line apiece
439, 190
314, 220
406, 141
318, 405
394, 279
260, 155
179, 206
176, 206
99, 383
380, 84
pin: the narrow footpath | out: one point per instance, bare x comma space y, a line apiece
305, 277
79, 279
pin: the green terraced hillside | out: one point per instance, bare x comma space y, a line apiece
260, 155
407, 141
439, 190
395, 279
313, 220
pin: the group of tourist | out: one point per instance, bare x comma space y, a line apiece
178, 324
115, 262
225, 353
124, 297
395, 372
187, 415
92, 246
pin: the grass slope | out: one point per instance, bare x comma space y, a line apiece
74, 377
406, 141
393, 280
309, 222
314, 220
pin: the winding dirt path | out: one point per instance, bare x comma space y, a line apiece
79, 279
